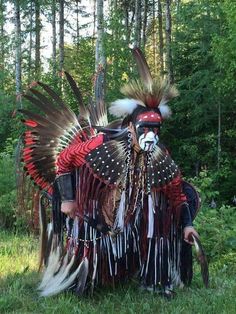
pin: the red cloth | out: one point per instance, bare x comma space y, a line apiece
74, 155
174, 192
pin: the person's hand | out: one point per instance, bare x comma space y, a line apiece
68, 208
187, 234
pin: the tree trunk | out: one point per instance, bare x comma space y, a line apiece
126, 9
177, 6
18, 53
137, 31
30, 42
54, 40
169, 64
2, 34
114, 3
197, 168
100, 60
128, 21
160, 33
37, 39
61, 36
154, 37
145, 11
77, 25
100, 54
94, 18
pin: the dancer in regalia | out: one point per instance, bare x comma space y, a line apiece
119, 205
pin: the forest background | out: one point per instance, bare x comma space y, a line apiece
191, 43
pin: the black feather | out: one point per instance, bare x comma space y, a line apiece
44, 104
41, 120
142, 66
75, 89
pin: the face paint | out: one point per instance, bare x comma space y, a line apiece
147, 134
148, 140
147, 129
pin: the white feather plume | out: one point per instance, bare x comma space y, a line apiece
123, 107
60, 282
165, 111
52, 268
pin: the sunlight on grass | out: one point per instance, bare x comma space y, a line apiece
18, 253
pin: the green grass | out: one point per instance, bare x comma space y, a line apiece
19, 279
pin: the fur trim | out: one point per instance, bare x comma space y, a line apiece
165, 111
123, 107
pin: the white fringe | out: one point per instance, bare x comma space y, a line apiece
119, 222
150, 217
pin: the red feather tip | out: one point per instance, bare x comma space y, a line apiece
30, 123
27, 158
29, 141
27, 150
27, 133
31, 167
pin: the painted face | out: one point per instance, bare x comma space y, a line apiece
147, 135
147, 130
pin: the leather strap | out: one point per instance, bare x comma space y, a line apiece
65, 187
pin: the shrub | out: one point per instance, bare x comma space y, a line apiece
7, 191
216, 227
204, 184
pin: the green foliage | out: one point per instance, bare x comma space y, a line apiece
223, 51
7, 192
204, 61
6, 111
217, 228
9, 149
11, 215
119, 58
81, 68
204, 184
224, 180
218, 185
7, 177
193, 129
7, 209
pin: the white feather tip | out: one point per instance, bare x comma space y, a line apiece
165, 111
123, 107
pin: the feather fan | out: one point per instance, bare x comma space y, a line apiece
53, 128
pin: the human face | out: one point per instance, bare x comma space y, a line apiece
147, 135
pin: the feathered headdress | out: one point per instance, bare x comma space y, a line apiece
147, 92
